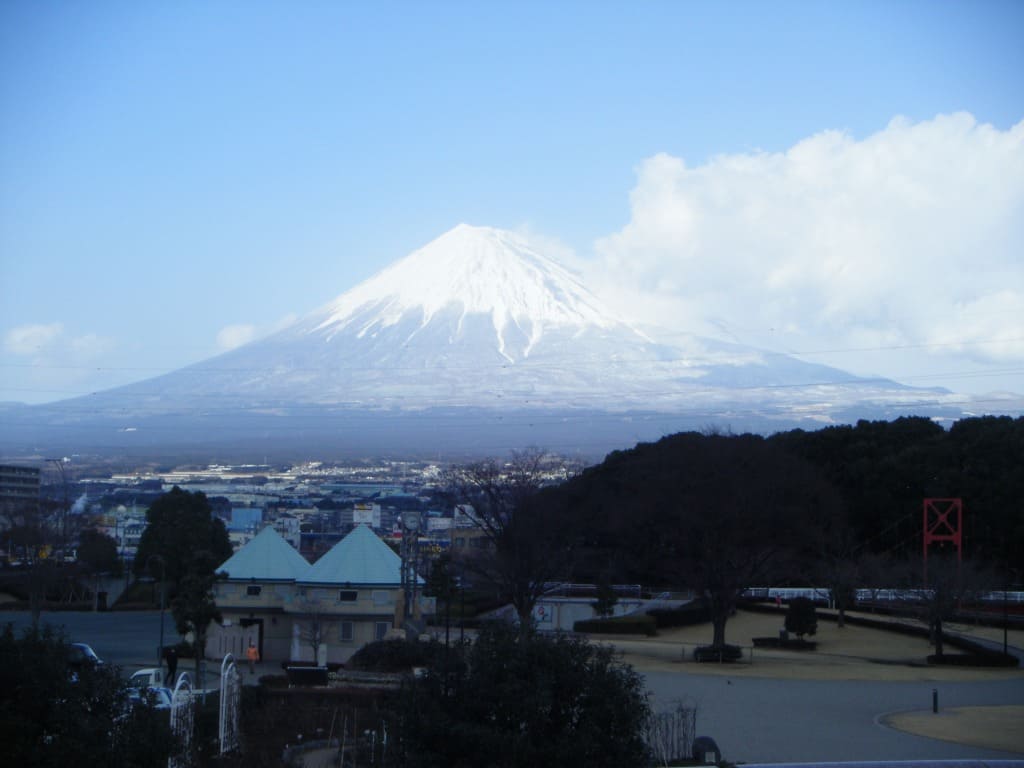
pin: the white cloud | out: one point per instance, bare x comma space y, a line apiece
238, 334
32, 339
44, 361
284, 321
910, 237
45, 342
231, 336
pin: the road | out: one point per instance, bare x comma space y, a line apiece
129, 639
769, 720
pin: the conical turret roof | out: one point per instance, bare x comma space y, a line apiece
361, 558
268, 557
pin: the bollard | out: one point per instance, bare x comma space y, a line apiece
935, 700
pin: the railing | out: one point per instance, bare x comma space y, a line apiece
182, 720
567, 589
882, 595
230, 696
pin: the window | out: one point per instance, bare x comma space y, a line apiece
253, 590
380, 629
381, 597
348, 596
345, 631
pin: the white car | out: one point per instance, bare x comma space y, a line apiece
150, 677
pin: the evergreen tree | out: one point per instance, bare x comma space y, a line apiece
180, 526
524, 699
51, 717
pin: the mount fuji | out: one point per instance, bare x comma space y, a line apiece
475, 342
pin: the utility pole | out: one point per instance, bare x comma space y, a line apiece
410, 547
163, 588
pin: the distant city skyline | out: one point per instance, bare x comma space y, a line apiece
843, 182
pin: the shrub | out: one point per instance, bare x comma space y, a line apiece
687, 616
395, 655
546, 701
620, 625
790, 644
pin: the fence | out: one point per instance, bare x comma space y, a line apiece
670, 734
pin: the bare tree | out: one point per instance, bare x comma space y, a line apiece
951, 585
30, 534
839, 562
527, 543
312, 631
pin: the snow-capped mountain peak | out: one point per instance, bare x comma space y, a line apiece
479, 342
472, 271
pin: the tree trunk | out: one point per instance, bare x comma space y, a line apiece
718, 622
525, 614
200, 651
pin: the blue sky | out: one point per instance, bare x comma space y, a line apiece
176, 177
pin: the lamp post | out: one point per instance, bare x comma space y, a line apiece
163, 587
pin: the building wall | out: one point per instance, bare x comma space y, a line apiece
235, 595
338, 599
19, 491
281, 611
271, 631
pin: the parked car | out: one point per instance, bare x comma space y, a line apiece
150, 677
81, 656
155, 696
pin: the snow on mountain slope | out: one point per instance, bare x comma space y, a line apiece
480, 318
472, 271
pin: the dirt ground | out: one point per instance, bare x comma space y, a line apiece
989, 727
850, 653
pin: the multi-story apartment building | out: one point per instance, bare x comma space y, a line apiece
19, 492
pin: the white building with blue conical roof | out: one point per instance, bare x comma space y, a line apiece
270, 595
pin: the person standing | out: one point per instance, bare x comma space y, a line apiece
253, 655
171, 657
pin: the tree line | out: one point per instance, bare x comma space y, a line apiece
838, 508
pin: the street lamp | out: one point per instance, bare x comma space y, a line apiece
163, 587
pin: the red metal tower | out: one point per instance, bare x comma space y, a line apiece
939, 527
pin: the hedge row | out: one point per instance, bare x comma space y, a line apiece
619, 625
689, 616
789, 644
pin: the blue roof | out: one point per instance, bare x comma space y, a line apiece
268, 557
359, 558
